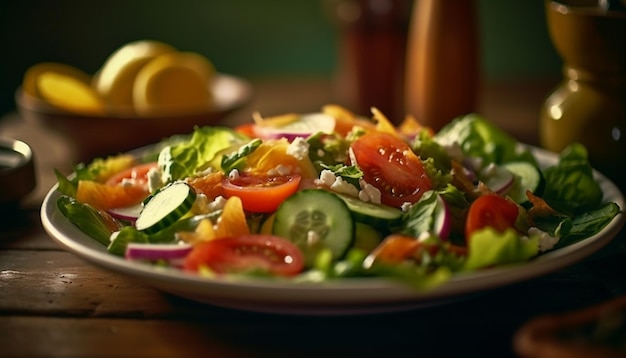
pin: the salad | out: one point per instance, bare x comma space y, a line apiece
332, 195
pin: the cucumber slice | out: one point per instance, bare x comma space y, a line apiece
376, 215
315, 220
527, 177
366, 237
165, 207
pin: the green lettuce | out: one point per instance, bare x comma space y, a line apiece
477, 137
87, 218
206, 145
489, 247
570, 186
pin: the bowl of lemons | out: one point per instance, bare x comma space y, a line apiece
145, 91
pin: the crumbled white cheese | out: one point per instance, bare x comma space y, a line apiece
127, 182
343, 187
320, 153
312, 238
298, 148
234, 174
217, 204
336, 183
406, 206
327, 178
280, 169
546, 241
154, 179
369, 193
200, 204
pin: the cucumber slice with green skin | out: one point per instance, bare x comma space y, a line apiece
376, 215
315, 220
527, 177
166, 207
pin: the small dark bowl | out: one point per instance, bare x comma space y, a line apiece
17, 171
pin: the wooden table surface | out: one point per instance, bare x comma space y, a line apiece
54, 304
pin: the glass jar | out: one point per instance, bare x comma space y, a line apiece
589, 105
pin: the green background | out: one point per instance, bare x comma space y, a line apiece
250, 38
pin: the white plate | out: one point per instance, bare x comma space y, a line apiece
346, 296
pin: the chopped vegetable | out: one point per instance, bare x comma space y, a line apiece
315, 220
165, 207
330, 195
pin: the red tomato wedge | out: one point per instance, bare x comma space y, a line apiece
261, 193
491, 210
389, 164
138, 174
246, 253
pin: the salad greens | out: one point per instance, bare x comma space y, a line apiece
424, 246
203, 148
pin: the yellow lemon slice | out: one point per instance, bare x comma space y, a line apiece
174, 83
69, 93
115, 80
31, 76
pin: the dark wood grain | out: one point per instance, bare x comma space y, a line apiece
54, 304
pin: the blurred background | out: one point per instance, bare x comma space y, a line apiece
248, 38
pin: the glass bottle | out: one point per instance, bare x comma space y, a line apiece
589, 105
443, 65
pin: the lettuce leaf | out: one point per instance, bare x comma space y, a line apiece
570, 186
489, 247
186, 158
477, 137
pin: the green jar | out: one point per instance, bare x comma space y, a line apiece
589, 105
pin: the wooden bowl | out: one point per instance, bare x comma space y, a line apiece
94, 136
597, 331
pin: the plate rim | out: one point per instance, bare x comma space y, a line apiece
344, 296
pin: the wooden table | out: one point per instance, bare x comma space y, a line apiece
53, 304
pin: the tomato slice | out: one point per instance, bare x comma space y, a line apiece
137, 175
246, 253
389, 164
491, 210
261, 193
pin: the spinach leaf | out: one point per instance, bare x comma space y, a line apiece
590, 223
570, 186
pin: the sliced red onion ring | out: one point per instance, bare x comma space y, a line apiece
443, 219
129, 214
153, 252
